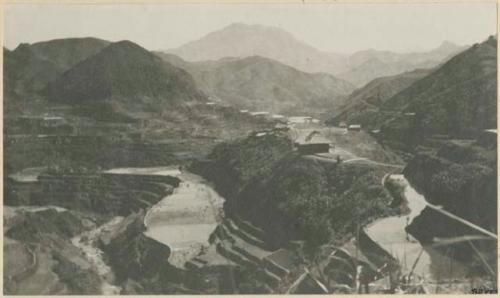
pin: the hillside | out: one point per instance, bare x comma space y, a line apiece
457, 99
292, 197
258, 83
66, 53
374, 94
124, 77
461, 177
25, 72
30, 67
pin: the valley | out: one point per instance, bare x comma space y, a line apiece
256, 168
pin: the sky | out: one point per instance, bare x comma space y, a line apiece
341, 28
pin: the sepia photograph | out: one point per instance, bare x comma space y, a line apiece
249, 148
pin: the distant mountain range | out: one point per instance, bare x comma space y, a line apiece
125, 78
259, 83
458, 98
370, 64
241, 40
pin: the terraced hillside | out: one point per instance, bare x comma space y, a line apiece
275, 198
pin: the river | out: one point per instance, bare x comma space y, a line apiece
390, 233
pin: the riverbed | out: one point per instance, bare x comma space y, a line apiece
390, 234
185, 219
86, 242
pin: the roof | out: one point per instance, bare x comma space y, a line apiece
315, 139
299, 119
307, 284
281, 257
355, 126
259, 113
350, 249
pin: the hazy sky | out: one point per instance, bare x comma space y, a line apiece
330, 27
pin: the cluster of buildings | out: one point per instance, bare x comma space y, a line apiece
293, 120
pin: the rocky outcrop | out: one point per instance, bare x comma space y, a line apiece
140, 263
52, 264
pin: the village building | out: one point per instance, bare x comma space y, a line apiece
354, 127
260, 115
313, 143
277, 116
300, 119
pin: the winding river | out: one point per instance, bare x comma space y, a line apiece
390, 233
185, 219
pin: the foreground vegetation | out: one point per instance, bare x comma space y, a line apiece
292, 197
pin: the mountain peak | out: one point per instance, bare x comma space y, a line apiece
242, 40
244, 30
126, 49
126, 43
447, 45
